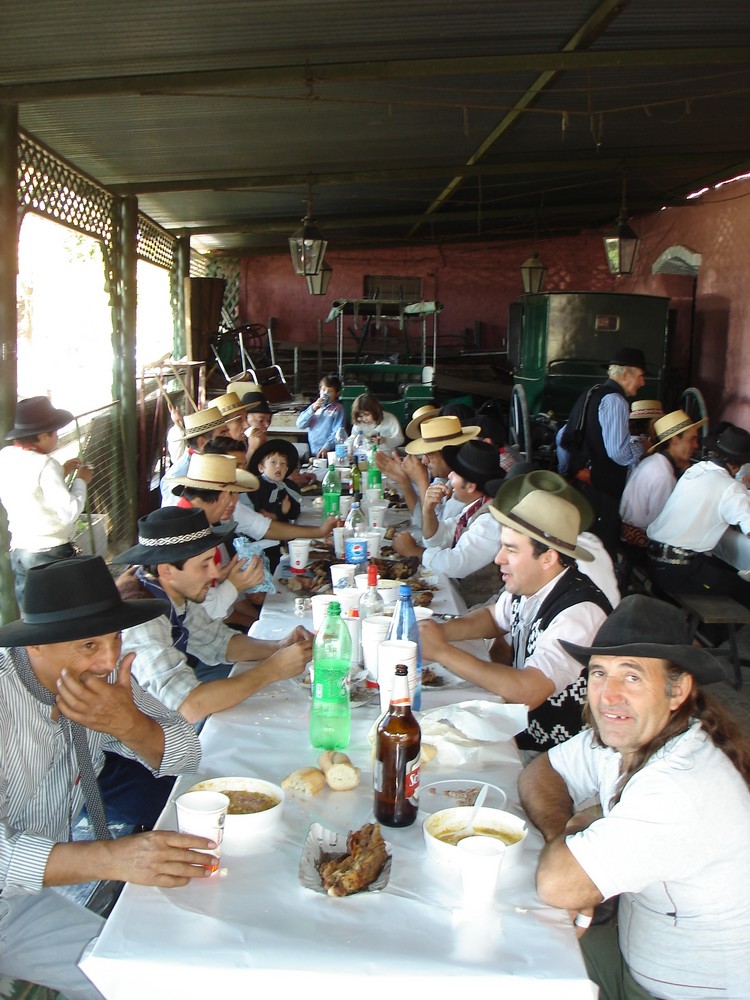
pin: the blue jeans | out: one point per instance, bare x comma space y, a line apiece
22, 560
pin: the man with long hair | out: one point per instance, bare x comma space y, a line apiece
670, 773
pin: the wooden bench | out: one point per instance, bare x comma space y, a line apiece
715, 609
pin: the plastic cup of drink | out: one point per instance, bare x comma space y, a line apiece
391, 652
376, 513
479, 860
348, 598
373, 495
339, 537
299, 554
374, 631
345, 505
319, 607
355, 550
331, 457
203, 814
374, 540
342, 575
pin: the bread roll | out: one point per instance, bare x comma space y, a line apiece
427, 753
307, 780
339, 771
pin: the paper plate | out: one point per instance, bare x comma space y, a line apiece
452, 793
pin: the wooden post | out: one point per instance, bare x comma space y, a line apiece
180, 271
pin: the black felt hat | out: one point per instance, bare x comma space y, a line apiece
278, 445
74, 599
260, 401
733, 443
171, 534
629, 357
37, 415
476, 461
643, 626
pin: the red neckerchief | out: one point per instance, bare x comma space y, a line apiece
466, 514
29, 446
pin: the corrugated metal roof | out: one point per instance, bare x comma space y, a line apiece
169, 102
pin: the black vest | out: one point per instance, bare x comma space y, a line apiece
558, 718
586, 444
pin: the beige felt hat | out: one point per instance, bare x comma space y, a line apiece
202, 422
230, 405
546, 517
240, 388
216, 472
646, 409
418, 418
676, 422
438, 432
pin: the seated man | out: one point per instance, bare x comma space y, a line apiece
199, 429
180, 649
545, 598
669, 770
65, 697
653, 479
234, 413
705, 502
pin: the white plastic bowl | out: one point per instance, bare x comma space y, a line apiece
242, 832
453, 820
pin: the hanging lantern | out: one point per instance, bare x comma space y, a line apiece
317, 284
533, 273
621, 246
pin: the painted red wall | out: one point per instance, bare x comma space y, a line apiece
477, 282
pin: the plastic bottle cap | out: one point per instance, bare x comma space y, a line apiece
404, 590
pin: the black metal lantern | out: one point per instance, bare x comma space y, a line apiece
533, 273
621, 246
317, 284
306, 245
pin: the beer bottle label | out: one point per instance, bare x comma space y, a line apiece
411, 779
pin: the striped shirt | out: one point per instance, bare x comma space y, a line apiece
40, 791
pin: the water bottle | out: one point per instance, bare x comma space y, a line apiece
330, 712
340, 441
359, 448
355, 519
405, 626
331, 492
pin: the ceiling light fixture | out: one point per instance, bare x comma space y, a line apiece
317, 284
306, 245
621, 243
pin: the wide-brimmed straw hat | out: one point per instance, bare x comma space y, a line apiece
418, 418
276, 446
202, 422
229, 405
36, 415
74, 599
438, 432
215, 472
171, 534
644, 626
546, 517
476, 461
646, 409
518, 486
676, 422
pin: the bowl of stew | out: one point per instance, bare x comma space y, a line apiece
443, 830
254, 813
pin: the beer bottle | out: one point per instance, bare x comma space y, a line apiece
396, 777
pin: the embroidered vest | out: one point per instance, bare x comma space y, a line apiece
559, 717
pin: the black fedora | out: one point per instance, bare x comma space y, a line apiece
74, 599
644, 626
37, 415
172, 534
475, 461
733, 443
280, 446
629, 357
259, 399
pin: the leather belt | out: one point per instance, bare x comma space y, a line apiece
672, 555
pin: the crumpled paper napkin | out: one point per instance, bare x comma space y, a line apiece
473, 732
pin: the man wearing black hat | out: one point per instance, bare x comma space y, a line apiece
669, 771
42, 510
596, 446
184, 657
705, 502
65, 698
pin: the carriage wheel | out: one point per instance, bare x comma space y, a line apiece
693, 403
520, 426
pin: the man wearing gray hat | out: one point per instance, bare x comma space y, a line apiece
669, 772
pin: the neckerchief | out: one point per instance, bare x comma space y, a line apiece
180, 632
466, 515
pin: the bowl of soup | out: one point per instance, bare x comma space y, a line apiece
444, 829
254, 813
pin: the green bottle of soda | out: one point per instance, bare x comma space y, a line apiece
330, 712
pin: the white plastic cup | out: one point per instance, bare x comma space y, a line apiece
331, 457
348, 598
391, 652
374, 631
376, 513
319, 606
299, 554
339, 537
342, 575
354, 626
479, 860
203, 814
345, 505
374, 540
373, 495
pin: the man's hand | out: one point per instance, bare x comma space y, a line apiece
242, 576
323, 453
433, 640
405, 545
94, 703
256, 436
582, 820
298, 634
290, 660
85, 473
160, 857
326, 528
435, 494
417, 471
391, 466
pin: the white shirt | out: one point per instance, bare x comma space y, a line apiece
647, 490
388, 430
475, 549
577, 624
675, 848
42, 511
705, 501
601, 571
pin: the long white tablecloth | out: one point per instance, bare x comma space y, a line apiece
253, 927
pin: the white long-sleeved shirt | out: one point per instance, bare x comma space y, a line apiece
388, 430
475, 549
42, 511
